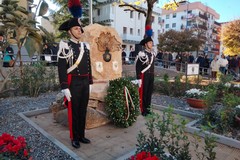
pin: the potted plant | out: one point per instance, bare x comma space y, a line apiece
195, 97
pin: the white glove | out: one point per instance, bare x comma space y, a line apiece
139, 83
67, 94
90, 88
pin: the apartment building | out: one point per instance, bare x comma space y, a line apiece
129, 24
194, 16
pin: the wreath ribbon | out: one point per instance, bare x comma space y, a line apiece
127, 97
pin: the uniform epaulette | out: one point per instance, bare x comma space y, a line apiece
63, 45
87, 45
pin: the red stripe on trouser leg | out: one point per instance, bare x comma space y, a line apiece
70, 119
69, 105
140, 90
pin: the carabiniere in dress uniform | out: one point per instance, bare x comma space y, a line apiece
75, 75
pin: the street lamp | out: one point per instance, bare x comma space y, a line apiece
90, 12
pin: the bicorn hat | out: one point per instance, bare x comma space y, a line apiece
145, 40
65, 26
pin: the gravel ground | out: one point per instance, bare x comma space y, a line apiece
11, 123
42, 148
177, 103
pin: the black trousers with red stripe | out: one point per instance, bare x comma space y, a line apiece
79, 89
147, 84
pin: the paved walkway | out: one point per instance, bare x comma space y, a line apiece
109, 142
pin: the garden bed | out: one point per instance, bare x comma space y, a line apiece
180, 105
192, 127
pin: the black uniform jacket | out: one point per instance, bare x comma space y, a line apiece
142, 63
83, 69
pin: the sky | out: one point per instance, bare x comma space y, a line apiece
227, 9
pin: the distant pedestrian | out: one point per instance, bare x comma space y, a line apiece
214, 67
223, 62
8, 59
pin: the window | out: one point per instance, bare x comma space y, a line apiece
159, 19
98, 12
139, 16
167, 16
138, 32
131, 31
131, 14
167, 26
190, 11
174, 15
159, 32
189, 23
124, 30
173, 25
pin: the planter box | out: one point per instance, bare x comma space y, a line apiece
220, 139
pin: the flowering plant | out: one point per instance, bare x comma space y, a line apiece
144, 156
196, 93
13, 147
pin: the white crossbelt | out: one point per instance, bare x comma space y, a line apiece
145, 69
77, 61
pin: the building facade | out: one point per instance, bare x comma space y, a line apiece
195, 16
129, 24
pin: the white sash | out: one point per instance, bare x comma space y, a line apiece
78, 60
145, 69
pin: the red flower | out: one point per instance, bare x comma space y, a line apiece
12, 147
25, 153
144, 156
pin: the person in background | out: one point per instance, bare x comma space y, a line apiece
145, 74
223, 62
206, 64
191, 58
123, 56
201, 62
75, 76
178, 61
214, 67
132, 55
8, 59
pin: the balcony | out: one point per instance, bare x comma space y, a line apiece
215, 49
106, 21
130, 38
216, 41
202, 26
214, 31
203, 16
216, 23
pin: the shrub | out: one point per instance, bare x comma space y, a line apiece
167, 139
35, 79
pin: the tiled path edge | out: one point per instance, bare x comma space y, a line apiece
25, 116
